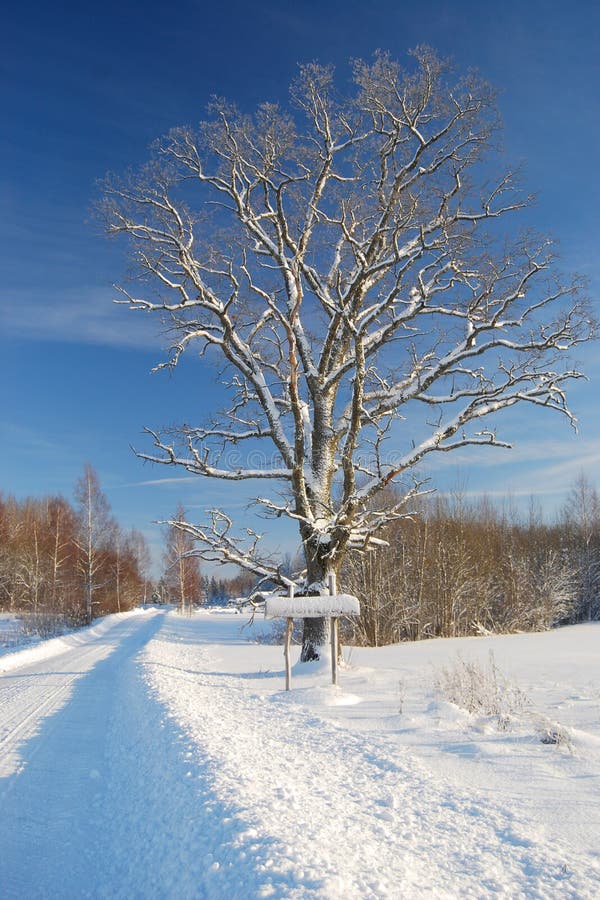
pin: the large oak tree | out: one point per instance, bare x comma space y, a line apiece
350, 261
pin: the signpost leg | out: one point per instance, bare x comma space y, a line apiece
334, 650
286, 653
334, 631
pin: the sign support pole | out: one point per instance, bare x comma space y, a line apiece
288, 644
334, 632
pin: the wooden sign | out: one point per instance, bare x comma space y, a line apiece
329, 606
316, 607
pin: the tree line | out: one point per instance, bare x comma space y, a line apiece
452, 568
457, 568
69, 562
64, 563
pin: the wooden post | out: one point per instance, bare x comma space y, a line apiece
286, 652
334, 633
331, 583
334, 650
288, 646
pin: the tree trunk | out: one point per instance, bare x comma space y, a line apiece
315, 639
316, 633
88, 600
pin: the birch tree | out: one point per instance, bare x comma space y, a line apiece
182, 570
61, 527
96, 528
581, 524
353, 264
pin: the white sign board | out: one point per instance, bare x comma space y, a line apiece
323, 605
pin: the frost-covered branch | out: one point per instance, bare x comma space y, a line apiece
217, 544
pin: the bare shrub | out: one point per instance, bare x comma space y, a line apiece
276, 633
44, 625
481, 690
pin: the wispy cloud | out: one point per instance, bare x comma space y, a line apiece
27, 439
85, 315
545, 470
157, 482
538, 449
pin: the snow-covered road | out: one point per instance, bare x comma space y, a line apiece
62, 741
155, 756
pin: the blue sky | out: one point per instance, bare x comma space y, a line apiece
85, 88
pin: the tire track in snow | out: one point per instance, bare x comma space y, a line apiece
112, 799
30, 694
50, 822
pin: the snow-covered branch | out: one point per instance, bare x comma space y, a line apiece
198, 463
216, 543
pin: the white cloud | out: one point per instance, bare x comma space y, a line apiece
27, 439
85, 315
542, 469
157, 482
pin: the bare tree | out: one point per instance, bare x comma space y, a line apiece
580, 521
61, 526
60, 565
29, 574
96, 528
182, 569
345, 261
140, 553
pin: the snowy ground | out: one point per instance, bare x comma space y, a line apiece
154, 756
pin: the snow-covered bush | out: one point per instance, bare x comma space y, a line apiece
11, 631
554, 733
481, 690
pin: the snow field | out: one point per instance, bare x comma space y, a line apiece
158, 756
358, 815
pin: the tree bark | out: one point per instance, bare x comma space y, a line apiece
315, 639
316, 635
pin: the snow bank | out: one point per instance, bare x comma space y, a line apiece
46, 649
